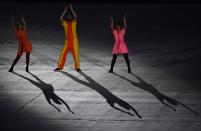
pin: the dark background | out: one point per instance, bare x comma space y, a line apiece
112, 1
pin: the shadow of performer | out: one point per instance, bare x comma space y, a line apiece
48, 91
110, 98
151, 89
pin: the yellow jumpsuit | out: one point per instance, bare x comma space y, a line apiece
70, 44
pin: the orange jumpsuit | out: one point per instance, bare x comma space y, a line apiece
70, 44
24, 44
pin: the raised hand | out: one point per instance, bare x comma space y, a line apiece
124, 16
112, 22
22, 18
111, 19
124, 20
70, 6
66, 8
72, 11
62, 15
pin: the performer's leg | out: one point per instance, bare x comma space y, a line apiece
27, 61
127, 62
113, 62
62, 58
15, 62
75, 52
76, 57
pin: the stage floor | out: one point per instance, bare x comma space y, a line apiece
164, 72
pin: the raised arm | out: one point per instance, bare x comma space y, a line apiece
124, 21
73, 12
62, 15
13, 23
111, 23
23, 20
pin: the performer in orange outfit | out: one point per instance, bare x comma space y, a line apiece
71, 41
24, 44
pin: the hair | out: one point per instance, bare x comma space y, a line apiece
19, 24
67, 14
119, 24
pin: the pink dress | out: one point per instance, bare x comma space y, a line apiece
119, 45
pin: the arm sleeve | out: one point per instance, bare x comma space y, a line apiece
75, 21
63, 23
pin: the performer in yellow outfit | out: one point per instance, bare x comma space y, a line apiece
71, 41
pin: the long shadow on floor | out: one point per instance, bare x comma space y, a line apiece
110, 98
151, 89
48, 91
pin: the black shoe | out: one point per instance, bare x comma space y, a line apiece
78, 70
27, 69
110, 71
10, 70
57, 69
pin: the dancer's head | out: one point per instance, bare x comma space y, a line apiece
19, 26
69, 17
118, 26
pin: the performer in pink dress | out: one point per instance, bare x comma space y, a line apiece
120, 46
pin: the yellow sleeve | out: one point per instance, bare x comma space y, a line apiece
75, 21
64, 23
